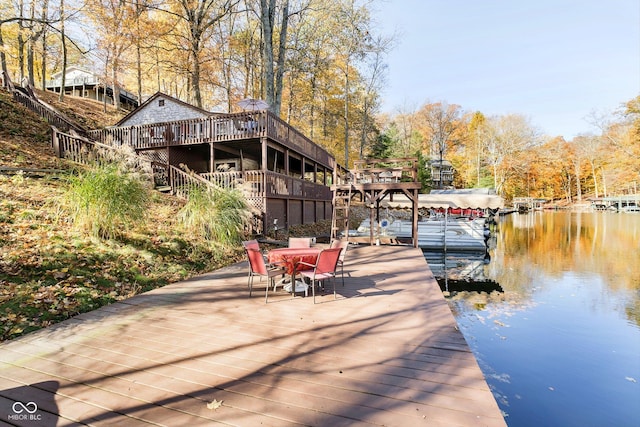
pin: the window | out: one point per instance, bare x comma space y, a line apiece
161, 103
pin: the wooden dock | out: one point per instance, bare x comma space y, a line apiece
200, 352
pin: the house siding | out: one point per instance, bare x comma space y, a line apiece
155, 113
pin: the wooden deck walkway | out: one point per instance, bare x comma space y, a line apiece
386, 353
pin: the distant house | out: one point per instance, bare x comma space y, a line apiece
86, 84
441, 173
161, 107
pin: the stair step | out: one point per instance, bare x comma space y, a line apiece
164, 188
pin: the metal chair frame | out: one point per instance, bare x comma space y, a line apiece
258, 267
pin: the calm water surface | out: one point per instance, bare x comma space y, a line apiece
557, 334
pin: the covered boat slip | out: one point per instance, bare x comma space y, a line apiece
438, 234
201, 352
447, 220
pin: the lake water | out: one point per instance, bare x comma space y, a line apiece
554, 316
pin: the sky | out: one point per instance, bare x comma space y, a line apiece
553, 61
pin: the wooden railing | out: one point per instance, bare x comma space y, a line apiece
74, 147
385, 170
53, 117
182, 182
218, 128
257, 183
82, 150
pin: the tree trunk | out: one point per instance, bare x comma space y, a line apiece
63, 77
31, 44
45, 30
3, 60
266, 20
195, 77
282, 47
20, 40
595, 179
578, 184
346, 118
44, 59
116, 88
139, 71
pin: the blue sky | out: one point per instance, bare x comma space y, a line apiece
552, 61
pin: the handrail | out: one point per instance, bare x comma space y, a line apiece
258, 183
82, 150
181, 182
53, 117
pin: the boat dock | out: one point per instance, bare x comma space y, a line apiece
201, 352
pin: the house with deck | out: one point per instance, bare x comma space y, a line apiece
285, 176
87, 84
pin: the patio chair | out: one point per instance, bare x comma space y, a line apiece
343, 244
258, 267
299, 242
324, 268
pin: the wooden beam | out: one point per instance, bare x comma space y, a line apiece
226, 149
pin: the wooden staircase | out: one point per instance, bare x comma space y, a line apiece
340, 217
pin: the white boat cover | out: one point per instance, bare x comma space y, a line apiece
446, 200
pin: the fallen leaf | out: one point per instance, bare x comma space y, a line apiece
215, 404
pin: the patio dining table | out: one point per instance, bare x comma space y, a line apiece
290, 257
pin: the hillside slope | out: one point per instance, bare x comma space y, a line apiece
87, 113
25, 139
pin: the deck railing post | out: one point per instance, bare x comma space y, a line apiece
55, 141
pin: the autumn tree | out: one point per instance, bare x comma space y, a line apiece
352, 43
373, 77
508, 137
476, 142
439, 123
274, 22
195, 22
113, 20
26, 23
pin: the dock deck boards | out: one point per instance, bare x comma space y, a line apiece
387, 352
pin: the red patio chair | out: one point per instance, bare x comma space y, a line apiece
258, 267
343, 244
325, 268
255, 245
299, 242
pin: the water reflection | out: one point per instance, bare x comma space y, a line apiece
550, 244
555, 324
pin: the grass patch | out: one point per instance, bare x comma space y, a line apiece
215, 215
106, 200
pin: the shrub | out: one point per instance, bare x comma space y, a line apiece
106, 200
215, 214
